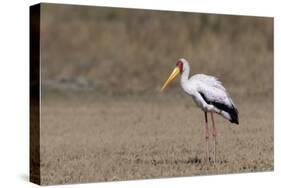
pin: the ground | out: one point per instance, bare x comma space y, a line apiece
102, 138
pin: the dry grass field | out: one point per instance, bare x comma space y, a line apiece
103, 117
104, 139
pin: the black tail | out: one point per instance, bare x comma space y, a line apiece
234, 115
232, 111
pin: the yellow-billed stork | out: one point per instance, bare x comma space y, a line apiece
209, 95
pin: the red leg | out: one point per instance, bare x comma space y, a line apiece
214, 135
207, 136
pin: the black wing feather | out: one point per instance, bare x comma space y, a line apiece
233, 112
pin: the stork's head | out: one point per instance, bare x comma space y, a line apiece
182, 67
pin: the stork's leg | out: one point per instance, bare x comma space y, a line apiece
214, 135
207, 137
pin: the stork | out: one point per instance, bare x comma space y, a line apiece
209, 94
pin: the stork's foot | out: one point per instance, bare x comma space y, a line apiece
207, 162
214, 152
207, 155
208, 159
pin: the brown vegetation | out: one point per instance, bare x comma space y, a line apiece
121, 50
103, 139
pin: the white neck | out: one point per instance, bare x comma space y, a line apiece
185, 80
185, 74
186, 68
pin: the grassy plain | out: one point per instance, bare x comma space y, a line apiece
103, 139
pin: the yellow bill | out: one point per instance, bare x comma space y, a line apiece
172, 76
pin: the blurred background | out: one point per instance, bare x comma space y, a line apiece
124, 51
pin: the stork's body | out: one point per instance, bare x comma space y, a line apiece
209, 95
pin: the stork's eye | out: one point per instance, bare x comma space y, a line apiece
180, 65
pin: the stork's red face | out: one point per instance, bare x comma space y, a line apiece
180, 65
177, 70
